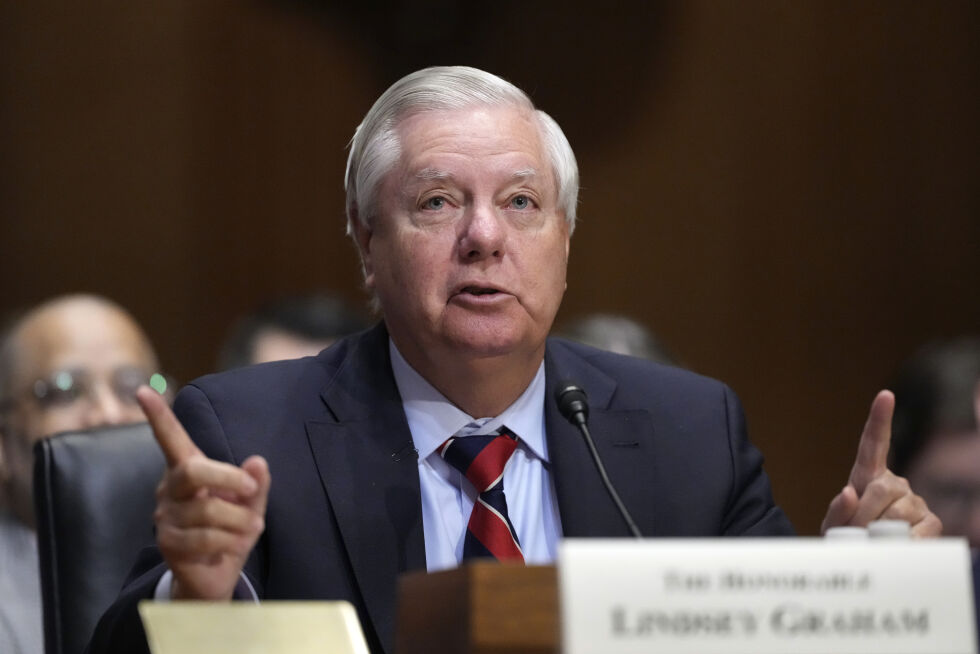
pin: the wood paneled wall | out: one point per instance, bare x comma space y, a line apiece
786, 192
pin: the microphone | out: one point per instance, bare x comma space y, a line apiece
573, 403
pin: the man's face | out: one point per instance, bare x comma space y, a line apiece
77, 366
947, 475
468, 250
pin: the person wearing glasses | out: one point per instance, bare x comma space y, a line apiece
71, 363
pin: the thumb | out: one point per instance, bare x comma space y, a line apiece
842, 508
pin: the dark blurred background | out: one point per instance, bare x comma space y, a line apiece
787, 192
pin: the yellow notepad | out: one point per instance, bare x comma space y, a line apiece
245, 628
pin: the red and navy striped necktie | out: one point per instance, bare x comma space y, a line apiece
482, 459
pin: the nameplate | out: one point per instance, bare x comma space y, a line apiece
766, 596
247, 627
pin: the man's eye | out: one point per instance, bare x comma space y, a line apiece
520, 202
435, 203
63, 389
59, 397
126, 381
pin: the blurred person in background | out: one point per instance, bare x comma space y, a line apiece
71, 363
618, 334
289, 328
935, 441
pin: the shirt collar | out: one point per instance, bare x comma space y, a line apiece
432, 418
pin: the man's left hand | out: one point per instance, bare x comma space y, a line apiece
873, 492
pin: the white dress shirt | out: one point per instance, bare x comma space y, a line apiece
21, 630
447, 497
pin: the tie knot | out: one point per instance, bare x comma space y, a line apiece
482, 458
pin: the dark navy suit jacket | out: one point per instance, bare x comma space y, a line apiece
344, 515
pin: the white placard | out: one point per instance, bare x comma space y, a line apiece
759, 596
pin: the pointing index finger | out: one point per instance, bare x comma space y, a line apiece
177, 446
872, 454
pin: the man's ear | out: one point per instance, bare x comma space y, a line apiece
362, 236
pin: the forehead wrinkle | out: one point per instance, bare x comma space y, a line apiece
429, 174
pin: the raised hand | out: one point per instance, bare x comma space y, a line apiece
209, 514
873, 491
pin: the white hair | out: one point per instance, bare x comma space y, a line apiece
375, 147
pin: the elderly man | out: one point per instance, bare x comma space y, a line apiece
327, 477
72, 363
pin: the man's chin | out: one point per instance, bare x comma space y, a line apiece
489, 342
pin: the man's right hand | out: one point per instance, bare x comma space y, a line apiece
209, 514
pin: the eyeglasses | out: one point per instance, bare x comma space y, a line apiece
64, 389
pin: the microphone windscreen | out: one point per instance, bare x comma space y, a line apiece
572, 400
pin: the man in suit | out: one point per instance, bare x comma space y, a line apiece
327, 477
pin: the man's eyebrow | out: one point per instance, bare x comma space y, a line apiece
433, 173
525, 172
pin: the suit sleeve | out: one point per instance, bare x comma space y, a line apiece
751, 510
120, 630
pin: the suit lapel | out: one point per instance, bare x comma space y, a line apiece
583, 502
369, 471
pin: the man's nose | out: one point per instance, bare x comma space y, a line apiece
106, 408
483, 233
